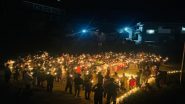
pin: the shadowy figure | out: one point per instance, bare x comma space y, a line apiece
69, 83
7, 75
98, 93
112, 89
50, 80
78, 81
88, 85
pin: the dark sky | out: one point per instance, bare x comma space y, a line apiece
154, 9
159, 10
23, 32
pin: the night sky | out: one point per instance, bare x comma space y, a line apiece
23, 31
158, 10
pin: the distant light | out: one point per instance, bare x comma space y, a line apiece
150, 31
126, 28
84, 31
183, 29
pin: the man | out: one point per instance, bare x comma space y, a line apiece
50, 80
112, 89
161, 77
28, 82
78, 81
98, 93
69, 83
157, 77
123, 82
87, 85
7, 74
100, 78
59, 73
16, 73
138, 78
106, 82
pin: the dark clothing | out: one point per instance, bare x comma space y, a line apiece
35, 76
39, 79
98, 94
7, 75
98, 101
69, 84
161, 78
58, 76
77, 90
78, 81
87, 94
109, 96
106, 83
16, 74
157, 80
100, 78
88, 86
138, 79
112, 92
50, 80
28, 82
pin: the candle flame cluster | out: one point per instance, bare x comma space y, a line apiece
120, 99
173, 71
132, 91
127, 94
47, 63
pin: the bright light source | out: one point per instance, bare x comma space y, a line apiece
84, 31
150, 31
126, 28
183, 29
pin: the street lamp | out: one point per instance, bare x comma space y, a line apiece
84, 31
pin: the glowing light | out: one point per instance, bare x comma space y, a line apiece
117, 80
92, 81
10, 64
174, 71
183, 29
150, 31
87, 73
120, 99
102, 62
71, 75
84, 31
166, 59
126, 28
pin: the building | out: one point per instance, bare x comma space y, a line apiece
158, 32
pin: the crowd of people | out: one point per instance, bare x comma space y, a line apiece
104, 74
